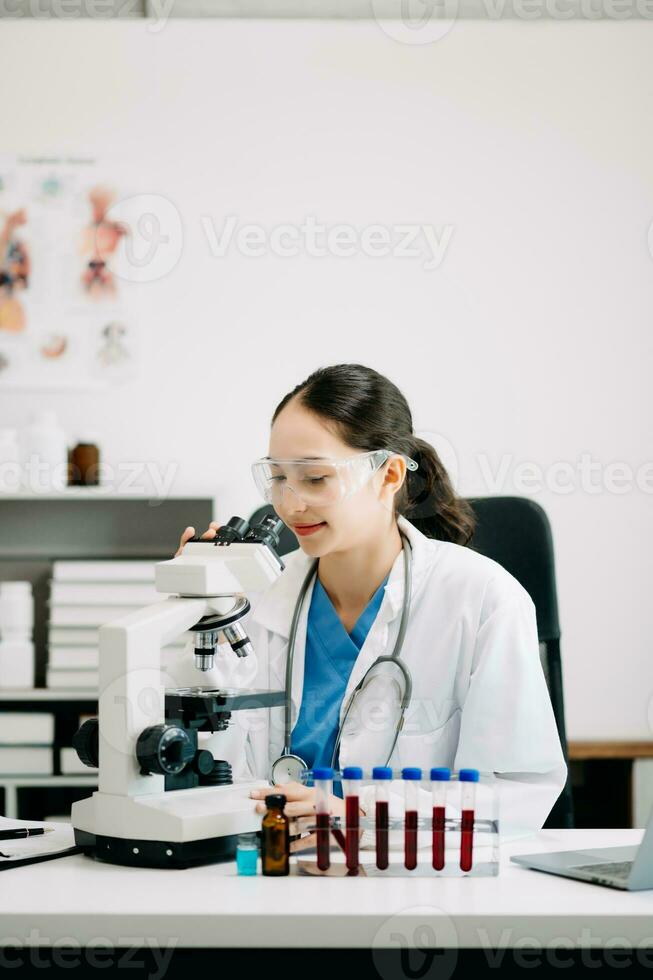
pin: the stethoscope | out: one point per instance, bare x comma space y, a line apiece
289, 767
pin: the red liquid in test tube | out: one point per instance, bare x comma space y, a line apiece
440, 777
382, 776
466, 839
323, 779
410, 844
411, 777
468, 779
351, 835
438, 837
351, 779
382, 823
323, 824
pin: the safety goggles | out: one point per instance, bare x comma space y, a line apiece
319, 482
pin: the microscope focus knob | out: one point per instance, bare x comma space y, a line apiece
203, 762
164, 749
86, 742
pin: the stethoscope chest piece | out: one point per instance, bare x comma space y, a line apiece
287, 768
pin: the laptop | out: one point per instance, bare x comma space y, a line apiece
628, 868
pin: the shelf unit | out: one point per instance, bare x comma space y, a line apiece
66, 706
78, 523
626, 766
46, 694
11, 785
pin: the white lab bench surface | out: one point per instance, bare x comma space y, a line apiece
78, 898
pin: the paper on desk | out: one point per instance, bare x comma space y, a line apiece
60, 841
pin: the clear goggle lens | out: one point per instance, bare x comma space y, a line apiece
319, 482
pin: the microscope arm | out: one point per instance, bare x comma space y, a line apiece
132, 685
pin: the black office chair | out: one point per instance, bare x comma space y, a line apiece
516, 533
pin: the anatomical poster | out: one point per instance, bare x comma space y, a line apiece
66, 306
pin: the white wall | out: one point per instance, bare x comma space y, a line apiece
533, 337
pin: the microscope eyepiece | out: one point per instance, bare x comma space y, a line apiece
234, 530
267, 531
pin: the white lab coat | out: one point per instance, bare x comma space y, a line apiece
479, 695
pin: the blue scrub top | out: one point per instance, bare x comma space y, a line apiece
328, 660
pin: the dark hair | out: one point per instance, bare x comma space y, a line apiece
368, 412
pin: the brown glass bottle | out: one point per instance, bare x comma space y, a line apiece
275, 837
84, 465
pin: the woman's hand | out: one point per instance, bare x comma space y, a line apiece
300, 805
300, 800
189, 533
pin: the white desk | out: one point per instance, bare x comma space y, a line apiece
211, 906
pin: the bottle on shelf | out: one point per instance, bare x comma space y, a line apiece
84, 462
10, 478
45, 454
16, 626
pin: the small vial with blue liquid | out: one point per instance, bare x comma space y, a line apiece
247, 854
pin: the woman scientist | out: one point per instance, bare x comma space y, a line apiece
374, 512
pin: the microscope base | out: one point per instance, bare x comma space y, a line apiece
174, 829
154, 853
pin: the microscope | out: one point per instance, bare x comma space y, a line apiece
162, 801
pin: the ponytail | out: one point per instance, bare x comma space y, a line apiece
428, 500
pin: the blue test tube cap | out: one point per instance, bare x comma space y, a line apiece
352, 772
411, 773
440, 774
468, 775
323, 772
382, 772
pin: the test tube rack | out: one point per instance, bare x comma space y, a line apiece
406, 844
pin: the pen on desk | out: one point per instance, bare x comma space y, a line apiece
18, 832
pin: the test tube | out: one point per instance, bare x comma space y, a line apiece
439, 780
468, 779
352, 776
411, 777
381, 776
323, 780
